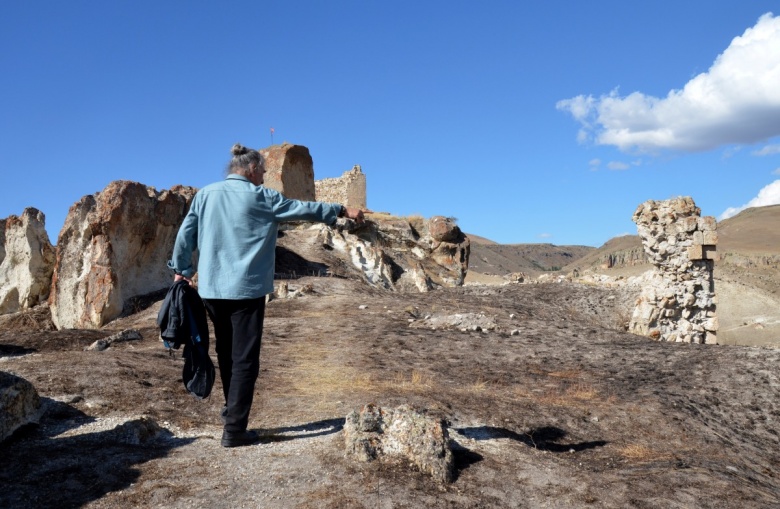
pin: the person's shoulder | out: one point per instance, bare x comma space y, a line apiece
211, 187
269, 193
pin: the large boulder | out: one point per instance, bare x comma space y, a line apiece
289, 169
19, 404
26, 261
114, 246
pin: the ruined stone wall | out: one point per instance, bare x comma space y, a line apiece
289, 169
348, 190
678, 301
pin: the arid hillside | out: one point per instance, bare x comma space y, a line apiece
548, 403
490, 258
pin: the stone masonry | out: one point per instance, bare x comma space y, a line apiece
677, 302
289, 169
349, 189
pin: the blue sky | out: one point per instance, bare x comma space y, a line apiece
528, 121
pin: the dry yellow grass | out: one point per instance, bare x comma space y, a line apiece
416, 221
642, 453
572, 395
315, 373
479, 386
415, 381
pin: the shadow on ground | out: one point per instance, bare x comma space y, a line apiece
39, 461
545, 438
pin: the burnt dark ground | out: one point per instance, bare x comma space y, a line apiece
571, 412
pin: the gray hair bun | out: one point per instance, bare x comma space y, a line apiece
238, 150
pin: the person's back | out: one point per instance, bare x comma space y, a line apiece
233, 225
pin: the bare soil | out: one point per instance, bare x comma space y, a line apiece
569, 412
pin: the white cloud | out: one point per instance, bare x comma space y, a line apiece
737, 101
545, 235
768, 150
776, 172
769, 195
617, 165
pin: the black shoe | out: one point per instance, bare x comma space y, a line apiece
239, 438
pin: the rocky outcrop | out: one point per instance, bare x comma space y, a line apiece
114, 246
19, 404
348, 190
677, 302
26, 261
289, 169
393, 254
400, 434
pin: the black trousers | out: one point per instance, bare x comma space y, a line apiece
238, 330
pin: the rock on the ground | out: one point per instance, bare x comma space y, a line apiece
26, 261
114, 246
402, 433
139, 431
119, 337
19, 404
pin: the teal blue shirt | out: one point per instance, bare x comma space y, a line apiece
233, 225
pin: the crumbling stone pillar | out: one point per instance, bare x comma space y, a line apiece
678, 301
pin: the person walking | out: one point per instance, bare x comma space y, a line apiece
233, 225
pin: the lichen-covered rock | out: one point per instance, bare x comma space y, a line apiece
402, 433
677, 302
26, 261
19, 404
114, 246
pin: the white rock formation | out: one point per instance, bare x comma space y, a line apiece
26, 261
114, 246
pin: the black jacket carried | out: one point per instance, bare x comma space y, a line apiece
182, 321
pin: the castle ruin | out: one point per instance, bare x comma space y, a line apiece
349, 189
289, 169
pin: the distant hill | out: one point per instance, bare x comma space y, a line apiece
754, 230
488, 257
624, 252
